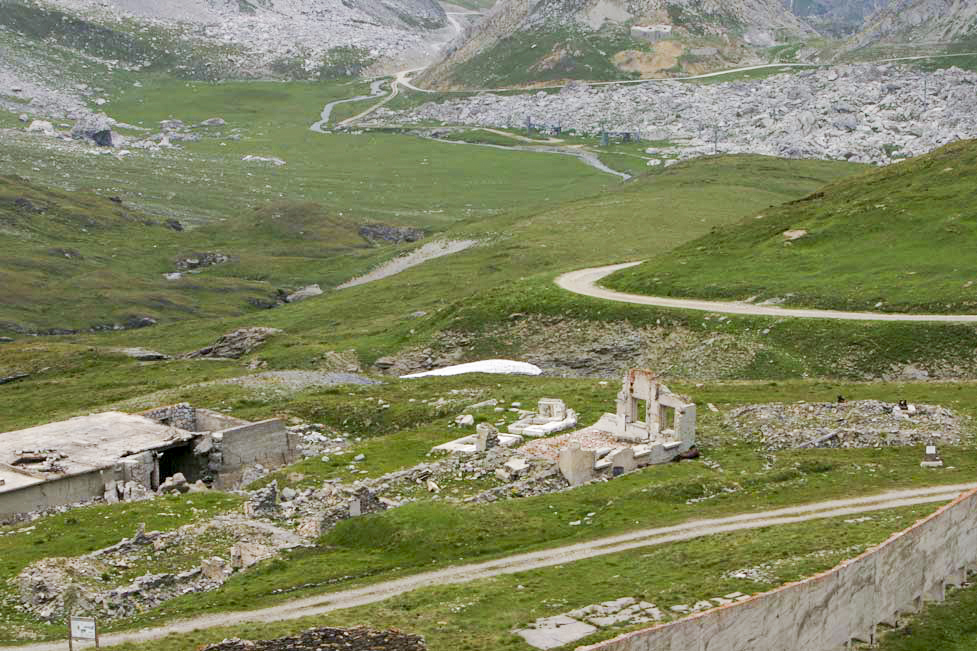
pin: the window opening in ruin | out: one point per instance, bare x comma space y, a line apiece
667, 418
640, 410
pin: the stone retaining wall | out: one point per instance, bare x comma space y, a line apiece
827, 611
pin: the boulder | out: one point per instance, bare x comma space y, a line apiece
97, 129
42, 127
236, 344
304, 293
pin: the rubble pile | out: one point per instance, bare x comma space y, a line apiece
855, 424
233, 543
863, 113
330, 639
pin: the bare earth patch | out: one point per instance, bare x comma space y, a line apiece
650, 64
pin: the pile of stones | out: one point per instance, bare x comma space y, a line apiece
43, 586
330, 639
855, 424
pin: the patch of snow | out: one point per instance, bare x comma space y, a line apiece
494, 366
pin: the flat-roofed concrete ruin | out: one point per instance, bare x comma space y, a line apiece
70, 461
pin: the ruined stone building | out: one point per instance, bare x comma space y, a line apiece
73, 460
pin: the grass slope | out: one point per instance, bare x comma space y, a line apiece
510, 272
898, 239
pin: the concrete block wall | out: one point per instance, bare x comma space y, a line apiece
267, 442
827, 611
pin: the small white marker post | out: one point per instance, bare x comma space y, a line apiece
81, 628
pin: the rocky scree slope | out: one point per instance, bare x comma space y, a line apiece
835, 18
284, 38
907, 22
581, 39
865, 113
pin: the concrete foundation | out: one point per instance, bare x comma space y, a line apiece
828, 611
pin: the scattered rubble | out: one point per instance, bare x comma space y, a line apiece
550, 417
221, 545
393, 234
852, 424
201, 260
329, 639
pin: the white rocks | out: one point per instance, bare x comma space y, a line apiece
251, 158
576, 464
42, 127
862, 113
304, 294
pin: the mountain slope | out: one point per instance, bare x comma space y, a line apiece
64, 249
897, 239
525, 41
216, 39
920, 22
835, 18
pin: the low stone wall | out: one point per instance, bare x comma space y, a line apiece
827, 611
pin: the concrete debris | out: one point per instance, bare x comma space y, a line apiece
41, 587
851, 424
551, 416
560, 630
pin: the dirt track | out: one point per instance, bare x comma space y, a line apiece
585, 282
523, 562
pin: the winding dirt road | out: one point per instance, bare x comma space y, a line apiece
584, 282
546, 558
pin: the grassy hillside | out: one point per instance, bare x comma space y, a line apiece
898, 239
510, 272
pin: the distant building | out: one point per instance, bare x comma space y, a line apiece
651, 33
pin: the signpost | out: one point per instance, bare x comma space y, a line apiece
81, 628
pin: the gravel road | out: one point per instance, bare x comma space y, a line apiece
585, 282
